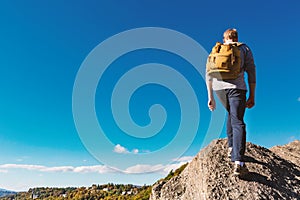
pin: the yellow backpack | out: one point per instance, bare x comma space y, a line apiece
224, 61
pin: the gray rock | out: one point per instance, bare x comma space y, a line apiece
289, 151
209, 176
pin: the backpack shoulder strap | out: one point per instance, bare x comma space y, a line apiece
216, 48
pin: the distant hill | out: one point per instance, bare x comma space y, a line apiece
108, 191
209, 175
4, 192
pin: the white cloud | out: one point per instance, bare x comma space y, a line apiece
3, 171
120, 149
137, 169
291, 139
184, 159
135, 151
81, 169
298, 99
21, 159
159, 168
21, 166
102, 169
58, 169
173, 167
123, 150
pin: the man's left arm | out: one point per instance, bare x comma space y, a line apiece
250, 68
251, 99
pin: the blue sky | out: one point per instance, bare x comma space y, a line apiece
45, 43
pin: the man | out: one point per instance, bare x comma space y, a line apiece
232, 94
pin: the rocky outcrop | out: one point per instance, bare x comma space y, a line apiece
289, 151
209, 176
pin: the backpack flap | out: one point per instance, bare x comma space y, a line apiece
224, 61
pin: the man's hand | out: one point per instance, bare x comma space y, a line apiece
211, 100
211, 104
250, 102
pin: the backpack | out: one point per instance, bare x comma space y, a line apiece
224, 61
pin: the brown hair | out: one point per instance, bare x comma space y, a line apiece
232, 34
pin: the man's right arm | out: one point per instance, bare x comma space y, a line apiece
211, 100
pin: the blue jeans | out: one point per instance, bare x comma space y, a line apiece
234, 101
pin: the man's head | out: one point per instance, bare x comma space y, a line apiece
230, 35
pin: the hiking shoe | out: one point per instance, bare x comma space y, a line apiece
229, 152
240, 170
